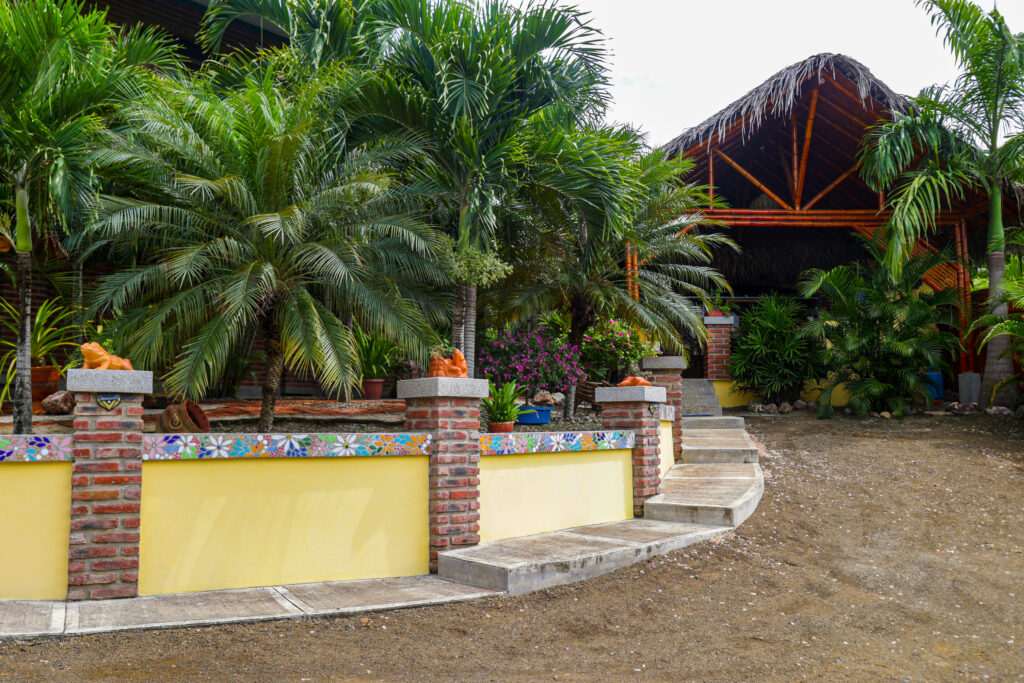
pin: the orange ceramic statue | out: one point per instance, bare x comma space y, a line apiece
443, 367
634, 382
97, 358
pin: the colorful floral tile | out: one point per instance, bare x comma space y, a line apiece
666, 412
554, 442
31, 448
214, 446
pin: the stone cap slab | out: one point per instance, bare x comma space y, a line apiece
629, 394
664, 363
443, 387
732, 320
110, 381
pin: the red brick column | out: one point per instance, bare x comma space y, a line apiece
716, 362
667, 372
106, 487
636, 409
449, 410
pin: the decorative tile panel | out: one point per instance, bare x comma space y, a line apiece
554, 442
220, 446
666, 411
32, 448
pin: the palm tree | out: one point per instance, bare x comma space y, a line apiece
1012, 324
253, 216
967, 136
63, 69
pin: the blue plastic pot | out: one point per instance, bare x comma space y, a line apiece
936, 390
539, 416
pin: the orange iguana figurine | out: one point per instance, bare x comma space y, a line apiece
634, 382
97, 358
443, 367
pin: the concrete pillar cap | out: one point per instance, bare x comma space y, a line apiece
663, 363
110, 381
443, 387
629, 395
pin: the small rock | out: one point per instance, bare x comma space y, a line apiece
1002, 411
799, 404
754, 407
543, 399
559, 398
771, 409
59, 403
848, 411
874, 414
886, 414
1019, 413
953, 407
910, 411
785, 408
812, 405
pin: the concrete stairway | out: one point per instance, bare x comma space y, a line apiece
699, 398
700, 499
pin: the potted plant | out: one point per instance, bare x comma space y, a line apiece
377, 357
501, 409
719, 308
52, 331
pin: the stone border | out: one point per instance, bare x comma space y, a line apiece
525, 443
252, 446
32, 448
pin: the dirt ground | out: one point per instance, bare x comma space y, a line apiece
881, 550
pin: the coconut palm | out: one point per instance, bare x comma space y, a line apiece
253, 216
63, 68
955, 138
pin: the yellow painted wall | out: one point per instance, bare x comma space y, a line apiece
667, 449
210, 524
35, 518
533, 493
727, 398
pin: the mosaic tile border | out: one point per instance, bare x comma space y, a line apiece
666, 412
523, 443
32, 448
227, 446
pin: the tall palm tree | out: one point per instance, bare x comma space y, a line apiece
253, 216
63, 69
965, 136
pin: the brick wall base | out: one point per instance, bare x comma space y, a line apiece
672, 380
639, 418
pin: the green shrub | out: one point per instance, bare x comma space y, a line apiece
771, 357
611, 348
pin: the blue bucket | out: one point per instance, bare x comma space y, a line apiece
539, 416
935, 390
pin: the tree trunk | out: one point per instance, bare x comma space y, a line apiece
271, 377
459, 316
469, 334
569, 406
78, 295
23, 364
998, 356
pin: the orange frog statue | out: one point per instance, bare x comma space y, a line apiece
634, 382
97, 358
443, 367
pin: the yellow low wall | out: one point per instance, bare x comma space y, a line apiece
211, 524
727, 398
35, 514
666, 448
532, 493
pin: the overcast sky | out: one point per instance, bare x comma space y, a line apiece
676, 62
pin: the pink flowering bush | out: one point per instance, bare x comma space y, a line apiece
611, 348
539, 361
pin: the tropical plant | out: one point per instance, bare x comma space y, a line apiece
63, 68
1012, 324
53, 334
882, 331
537, 360
255, 217
612, 349
503, 403
376, 355
956, 138
771, 357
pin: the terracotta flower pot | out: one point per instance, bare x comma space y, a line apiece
500, 427
372, 389
45, 381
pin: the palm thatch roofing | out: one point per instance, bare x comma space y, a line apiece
778, 96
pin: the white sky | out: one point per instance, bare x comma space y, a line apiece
676, 62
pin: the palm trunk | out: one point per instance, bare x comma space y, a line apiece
459, 316
271, 377
23, 361
998, 356
469, 334
569, 406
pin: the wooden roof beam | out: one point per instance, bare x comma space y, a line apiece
831, 186
757, 183
806, 149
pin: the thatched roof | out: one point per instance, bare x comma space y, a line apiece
777, 97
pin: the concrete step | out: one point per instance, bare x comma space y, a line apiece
712, 423
699, 398
529, 563
717, 446
721, 494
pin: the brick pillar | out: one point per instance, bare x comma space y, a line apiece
449, 409
716, 362
667, 372
106, 487
636, 409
